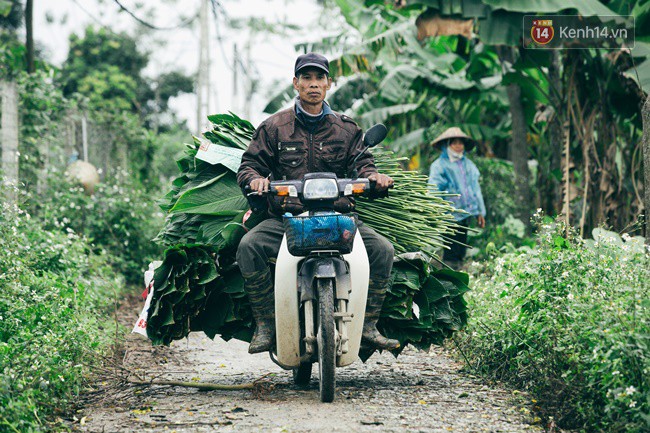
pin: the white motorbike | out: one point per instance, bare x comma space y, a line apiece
321, 277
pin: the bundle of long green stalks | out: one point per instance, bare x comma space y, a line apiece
413, 217
198, 287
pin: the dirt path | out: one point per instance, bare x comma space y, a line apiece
417, 392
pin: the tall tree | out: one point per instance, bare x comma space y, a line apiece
518, 150
646, 166
29, 28
11, 17
11, 14
101, 55
552, 185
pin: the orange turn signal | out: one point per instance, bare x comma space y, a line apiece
286, 190
358, 188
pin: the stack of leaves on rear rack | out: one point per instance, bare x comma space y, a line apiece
424, 306
198, 286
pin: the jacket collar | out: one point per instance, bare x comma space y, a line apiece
327, 110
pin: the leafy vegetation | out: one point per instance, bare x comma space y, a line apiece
423, 66
67, 256
54, 299
570, 321
119, 219
108, 66
42, 130
504, 231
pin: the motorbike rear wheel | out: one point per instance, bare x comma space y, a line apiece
326, 340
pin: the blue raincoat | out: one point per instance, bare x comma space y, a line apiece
460, 177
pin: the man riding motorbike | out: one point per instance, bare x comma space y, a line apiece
308, 137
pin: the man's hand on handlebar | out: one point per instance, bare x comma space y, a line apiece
260, 185
382, 182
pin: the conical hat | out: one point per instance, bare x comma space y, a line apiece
455, 132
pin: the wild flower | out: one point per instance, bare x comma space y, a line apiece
572, 313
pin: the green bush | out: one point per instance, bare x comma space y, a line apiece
498, 187
119, 218
570, 321
503, 232
54, 299
498, 238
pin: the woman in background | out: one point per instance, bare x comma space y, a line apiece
453, 172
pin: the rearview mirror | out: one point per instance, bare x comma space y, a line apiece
375, 135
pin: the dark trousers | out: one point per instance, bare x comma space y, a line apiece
262, 244
457, 251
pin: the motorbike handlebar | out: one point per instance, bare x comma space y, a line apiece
247, 189
257, 200
374, 193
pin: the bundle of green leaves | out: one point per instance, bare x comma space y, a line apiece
198, 287
424, 306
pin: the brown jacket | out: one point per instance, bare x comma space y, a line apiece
284, 149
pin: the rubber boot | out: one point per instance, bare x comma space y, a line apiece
370, 335
259, 288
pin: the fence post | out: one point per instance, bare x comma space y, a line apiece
10, 134
84, 136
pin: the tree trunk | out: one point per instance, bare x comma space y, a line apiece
10, 133
29, 29
646, 166
518, 150
554, 188
519, 153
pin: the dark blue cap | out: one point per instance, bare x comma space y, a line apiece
311, 59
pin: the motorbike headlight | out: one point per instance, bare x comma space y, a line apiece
319, 189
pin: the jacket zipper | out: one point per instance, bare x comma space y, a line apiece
310, 165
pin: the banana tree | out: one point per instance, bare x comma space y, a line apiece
538, 90
407, 73
415, 88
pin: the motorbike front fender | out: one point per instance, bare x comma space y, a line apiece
323, 267
287, 302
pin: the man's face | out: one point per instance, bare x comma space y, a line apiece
312, 85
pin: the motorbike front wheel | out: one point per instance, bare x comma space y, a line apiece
326, 340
